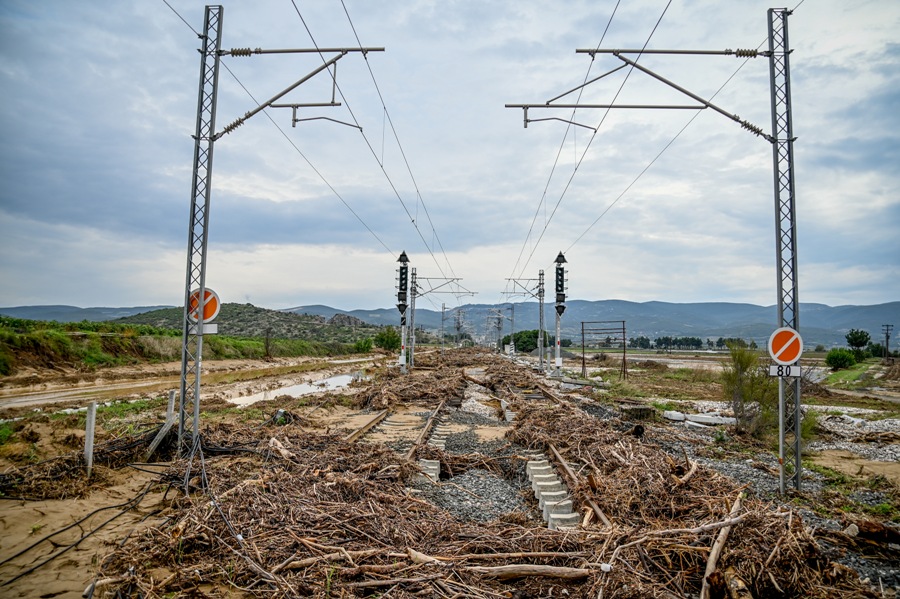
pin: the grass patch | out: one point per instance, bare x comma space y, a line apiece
849, 377
123, 409
624, 389
888, 511
6, 432
834, 479
664, 406
691, 375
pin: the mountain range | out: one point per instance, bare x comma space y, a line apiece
819, 324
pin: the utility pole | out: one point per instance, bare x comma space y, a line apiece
443, 307
402, 295
412, 319
201, 183
541, 327
205, 137
782, 140
886, 328
560, 307
512, 329
417, 291
498, 315
538, 293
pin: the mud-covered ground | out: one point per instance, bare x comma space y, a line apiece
841, 486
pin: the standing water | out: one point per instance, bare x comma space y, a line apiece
335, 382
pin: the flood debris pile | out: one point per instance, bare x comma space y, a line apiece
64, 476
271, 509
431, 386
662, 518
306, 515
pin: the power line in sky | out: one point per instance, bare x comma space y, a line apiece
413, 219
669, 143
293, 145
590, 141
562, 144
390, 121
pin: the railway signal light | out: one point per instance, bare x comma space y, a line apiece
403, 282
560, 279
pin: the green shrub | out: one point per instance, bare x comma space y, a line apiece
363, 346
6, 431
388, 339
839, 358
808, 425
7, 361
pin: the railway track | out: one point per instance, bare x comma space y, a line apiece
411, 432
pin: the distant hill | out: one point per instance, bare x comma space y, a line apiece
246, 320
819, 324
73, 313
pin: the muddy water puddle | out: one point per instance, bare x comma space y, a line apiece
330, 384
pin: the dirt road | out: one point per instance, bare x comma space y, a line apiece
70, 387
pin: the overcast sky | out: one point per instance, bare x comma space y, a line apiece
100, 99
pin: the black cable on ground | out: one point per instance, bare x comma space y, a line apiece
125, 508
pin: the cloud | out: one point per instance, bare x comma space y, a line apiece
100, 105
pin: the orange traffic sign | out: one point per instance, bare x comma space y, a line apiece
785, 346
211, 305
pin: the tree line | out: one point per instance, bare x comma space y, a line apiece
688, 343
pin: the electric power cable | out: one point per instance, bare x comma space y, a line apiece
369, 143
594, 136
669, 144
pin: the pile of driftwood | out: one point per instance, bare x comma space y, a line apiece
672, 528
65, 477
309, 515
428, 386
273, 511
301, 515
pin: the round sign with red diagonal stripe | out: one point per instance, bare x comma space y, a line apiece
211, 305
785, 346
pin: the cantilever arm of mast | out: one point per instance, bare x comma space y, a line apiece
268, 103
435, 289
525, 291
752, 53
236, 52
739, 53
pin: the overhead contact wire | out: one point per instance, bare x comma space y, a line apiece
669, 144
562, 144
293, 145
399, 145
369, 143
596, 131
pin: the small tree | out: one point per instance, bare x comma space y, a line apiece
858, 339
753, 394
388, 338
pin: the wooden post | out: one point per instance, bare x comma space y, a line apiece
89, 436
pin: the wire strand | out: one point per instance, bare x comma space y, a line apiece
369, 143
397, 139
293, 145
594, 136
562, 144
669, 144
